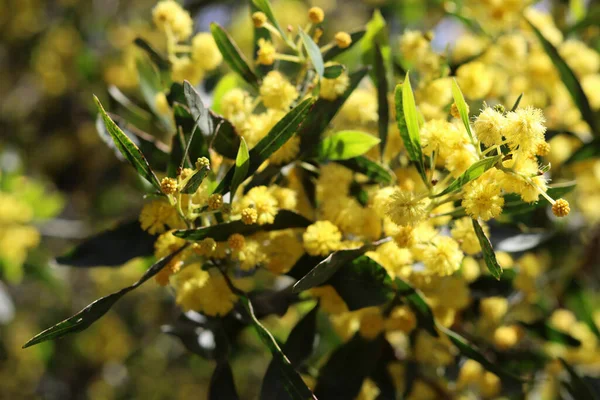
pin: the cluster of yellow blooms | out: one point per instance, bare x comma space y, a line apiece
467, 168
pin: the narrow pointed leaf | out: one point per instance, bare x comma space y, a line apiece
242, 163
314, 53
199, 112
93, 312
570, 80
545, 331
346, 144
488, 252
162, 63
415, 301
233, 55
195, 181
283, 220
222, 386
293, 384
383, 108
472, 173
129, 150
333, 71
462, 107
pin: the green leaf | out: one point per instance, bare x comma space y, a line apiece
228, 82
383, 108
222, 385
323, 271
362, 283
462, 107
291, 380
277, 137
514, 205
111, 248
470, 351
415, 301
321, 115
283, 220
544, 330
242, 163
265, 7
333, 71
579, 388
314, 53
516, 105
371, 169
225, 141
195, 181
151, 84
346, 144
591, 19
162, 63
376, 35
200, 113
488, 252
570, 80
129, 150
335, 50
233, 55
298, 347
93, 312
354, 360
410, 137
473, 172
585, 152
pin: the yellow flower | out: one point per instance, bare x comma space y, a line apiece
168, 15
12, 210
206, 247
205, 52
199, 291
475, 79
215, 201
413, 45
331, 89
263, 202
459, 160
482, 200
168, 185
266, 52
277, 92
316, 15
343, 39
401, 319
329, 299
506, 337
236, 241
283, 250
525, 129
464, 234
287, 152
440, 136
321, 238
561, 208
236, 106
489, 126
183, 68
249, 216
493, 309
259, 19
470, 372
443, 257
361, 107
250, 255
286, 198
433, 351
166, 244
157, 215
404, 208
371, 323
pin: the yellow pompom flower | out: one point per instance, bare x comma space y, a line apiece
236, 106
440, 136
259, 19
215, 201
464, 234
183, 68
361, 107
371, 323
404, 208
489, 126
321, 238
283, 250
277, 92
459, 160
506, 337
206, 247
343, 40
250, 255
249, 216
525, 129
157, 215
287, 152
331, 89
205, 52
561, 208
443, 257
316, 15
401, 319
329, 299
236, 241
166, 244
169, 15
493, 309
266, 52
482, 200
263, 202
168, 185
404, 236
475, 79
197, 290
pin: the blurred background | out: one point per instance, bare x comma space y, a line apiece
65, 184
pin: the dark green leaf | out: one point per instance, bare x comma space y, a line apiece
371, 169
283, 220
585, 152
516, 105
93, 312
376, 36
233, 55
333, 71
322, 114
472, 173
195, 181
569, 79
344, 145
470, 351
354, 361
579, 388
383, 107
222, 386
291, 380
162, 63
277, 137
488, 252
323, 271
416, 302
151, 85
462, 107
242, 163
129, 150
265, 7
362, 283
111, 248
544, 330
200, 113
298, 347
335, 51
225, 141
313, 52
304, 265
